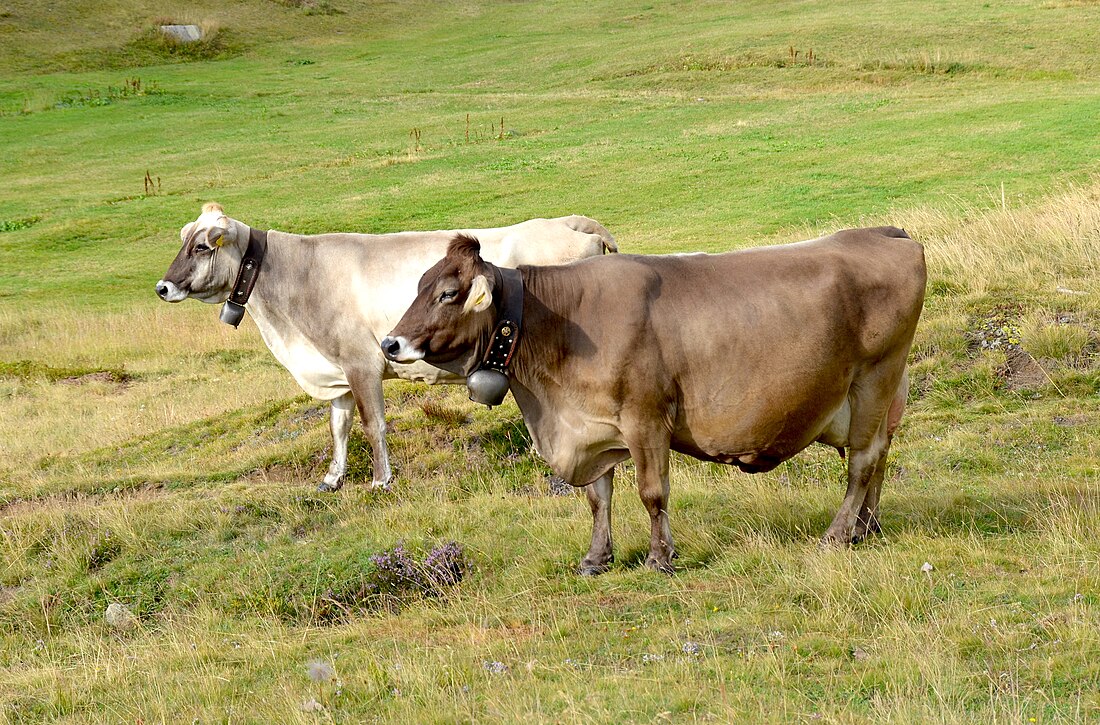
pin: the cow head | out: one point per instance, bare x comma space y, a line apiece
452, 317
206, 266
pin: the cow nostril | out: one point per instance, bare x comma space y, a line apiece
390, 346
162, 289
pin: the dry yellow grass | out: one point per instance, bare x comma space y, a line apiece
999, 491
1052, 247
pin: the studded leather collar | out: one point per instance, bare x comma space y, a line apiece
246, 277
509, 321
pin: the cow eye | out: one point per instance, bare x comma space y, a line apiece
448, 295
200, 247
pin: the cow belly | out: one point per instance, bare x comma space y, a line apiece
759, 443
316, 374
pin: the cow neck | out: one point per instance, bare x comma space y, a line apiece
509, 323
251, 263
549, 301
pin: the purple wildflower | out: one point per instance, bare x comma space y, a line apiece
395, 570
444, 566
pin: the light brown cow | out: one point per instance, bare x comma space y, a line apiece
743, 358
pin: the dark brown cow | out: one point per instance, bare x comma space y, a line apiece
743, 358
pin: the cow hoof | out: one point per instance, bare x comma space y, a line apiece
863, 531
381, 486
592, 569
326, 487
830, 542
595, 565
665, 567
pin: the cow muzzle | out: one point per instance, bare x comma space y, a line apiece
170, 292
397, 349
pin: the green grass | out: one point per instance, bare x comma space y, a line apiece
154, 457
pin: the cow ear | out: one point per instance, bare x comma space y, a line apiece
186, 231
217, 236
480, 297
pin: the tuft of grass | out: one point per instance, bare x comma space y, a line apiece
441, 413
311, 7
1066, 343
130, 88
934, 62
216, 44
1043, 248
14, 225
31, 370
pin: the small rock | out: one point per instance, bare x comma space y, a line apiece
859, 655
927, 567
182, 33
691, 648
311, 705
119, 616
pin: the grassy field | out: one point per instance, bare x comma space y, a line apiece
156, 458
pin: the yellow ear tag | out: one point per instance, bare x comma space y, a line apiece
219, 240
479, 300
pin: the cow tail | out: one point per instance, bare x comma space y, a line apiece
591, 226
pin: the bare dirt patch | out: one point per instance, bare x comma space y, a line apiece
7, 594
103, 376
1023, 372
1071, 421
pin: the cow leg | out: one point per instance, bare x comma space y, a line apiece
367, 387
867, 522
652, 473
861, 469
875, 414
600, 553
340, 419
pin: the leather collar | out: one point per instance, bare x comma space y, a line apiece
253, 259
505, 337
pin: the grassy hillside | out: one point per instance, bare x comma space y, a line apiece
156, 458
